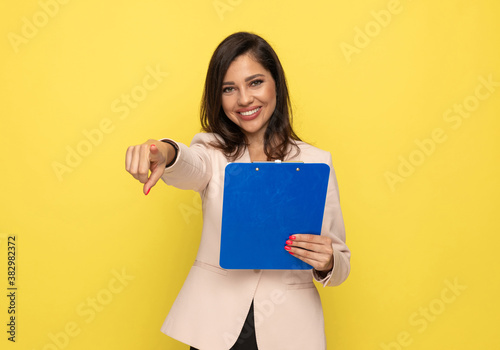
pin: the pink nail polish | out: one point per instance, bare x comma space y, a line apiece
148, 191
287, 247
289, 242
291, 253
292, 237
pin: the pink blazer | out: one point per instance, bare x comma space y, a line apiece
211, 307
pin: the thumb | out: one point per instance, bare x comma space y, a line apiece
154, 152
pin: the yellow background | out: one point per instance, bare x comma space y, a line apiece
410, 239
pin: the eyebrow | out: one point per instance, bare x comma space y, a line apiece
246, 79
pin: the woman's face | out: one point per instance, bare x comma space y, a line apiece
249, 96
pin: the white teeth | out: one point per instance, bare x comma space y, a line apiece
250, 112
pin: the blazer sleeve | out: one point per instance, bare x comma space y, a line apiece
192, 169
333, 227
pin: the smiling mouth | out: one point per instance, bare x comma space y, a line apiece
249, 113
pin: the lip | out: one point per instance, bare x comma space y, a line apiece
247, 109
249, 117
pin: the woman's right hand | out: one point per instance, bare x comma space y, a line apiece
152, 156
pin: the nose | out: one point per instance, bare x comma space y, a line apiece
245, 97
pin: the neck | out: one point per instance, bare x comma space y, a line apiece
255, 145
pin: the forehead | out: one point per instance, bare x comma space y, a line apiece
244, 66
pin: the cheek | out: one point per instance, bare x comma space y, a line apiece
270, 95
227, 107
226, 104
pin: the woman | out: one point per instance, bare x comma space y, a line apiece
246, 116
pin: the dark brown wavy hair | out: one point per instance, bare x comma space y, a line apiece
279, 136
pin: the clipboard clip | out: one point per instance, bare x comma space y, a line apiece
277, 161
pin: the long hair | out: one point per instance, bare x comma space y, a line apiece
279, 135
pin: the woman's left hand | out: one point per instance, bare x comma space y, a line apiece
314, 250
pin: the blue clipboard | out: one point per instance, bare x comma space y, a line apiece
263, 204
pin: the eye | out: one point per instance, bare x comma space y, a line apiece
256, 82
228, 89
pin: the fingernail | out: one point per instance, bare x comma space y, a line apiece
148, 191
289, 242
287, 247
292, 237
291, 253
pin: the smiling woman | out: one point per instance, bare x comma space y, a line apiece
244, 74
249, 100
246, 116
